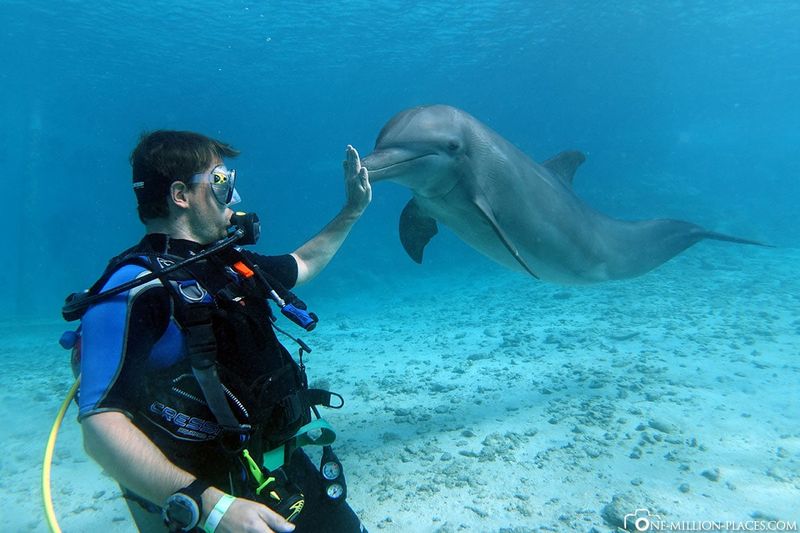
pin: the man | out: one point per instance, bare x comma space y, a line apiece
147, 405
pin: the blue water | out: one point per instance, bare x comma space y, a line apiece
686, 110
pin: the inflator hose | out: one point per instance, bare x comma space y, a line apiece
48, 460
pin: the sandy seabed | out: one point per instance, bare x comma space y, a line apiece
482, 400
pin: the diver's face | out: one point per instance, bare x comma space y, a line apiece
208, 217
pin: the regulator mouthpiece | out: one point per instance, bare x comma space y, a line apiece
249, 224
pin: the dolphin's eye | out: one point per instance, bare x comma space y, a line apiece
453, 145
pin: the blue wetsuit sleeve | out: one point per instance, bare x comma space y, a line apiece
117, 336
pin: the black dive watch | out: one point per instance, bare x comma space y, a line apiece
185, 508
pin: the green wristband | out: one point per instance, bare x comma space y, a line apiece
216, 514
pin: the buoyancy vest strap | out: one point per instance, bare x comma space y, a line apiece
196, 321
201, 345
217, 401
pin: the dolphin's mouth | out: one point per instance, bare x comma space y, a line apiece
382, 169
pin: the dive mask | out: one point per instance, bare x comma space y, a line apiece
222, 183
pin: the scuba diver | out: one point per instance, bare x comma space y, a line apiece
187, 398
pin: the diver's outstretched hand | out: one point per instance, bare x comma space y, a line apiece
356, 182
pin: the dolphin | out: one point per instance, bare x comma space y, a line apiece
521, 214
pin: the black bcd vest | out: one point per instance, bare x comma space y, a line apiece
266, 389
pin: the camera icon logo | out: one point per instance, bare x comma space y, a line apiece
639, 520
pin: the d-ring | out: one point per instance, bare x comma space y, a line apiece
192, 291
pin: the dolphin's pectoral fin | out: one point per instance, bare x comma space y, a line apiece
484, 207
565, 164
416, 230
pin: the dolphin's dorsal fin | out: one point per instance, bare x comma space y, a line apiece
565, 164
416, 230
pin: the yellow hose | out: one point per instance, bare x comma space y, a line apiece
48, 460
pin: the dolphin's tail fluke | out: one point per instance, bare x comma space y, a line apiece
713, 235
643, 245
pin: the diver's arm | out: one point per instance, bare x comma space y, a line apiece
112, 440
131, 458
315, 254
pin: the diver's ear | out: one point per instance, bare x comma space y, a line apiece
179, 194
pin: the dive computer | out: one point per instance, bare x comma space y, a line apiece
184, 508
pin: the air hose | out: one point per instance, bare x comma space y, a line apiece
47, 464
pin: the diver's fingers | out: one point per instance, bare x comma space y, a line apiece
347, 164
352, 163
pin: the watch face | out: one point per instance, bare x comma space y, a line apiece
181, 512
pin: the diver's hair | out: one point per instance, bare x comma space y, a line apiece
163, 157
